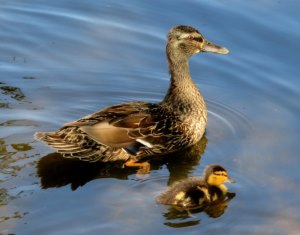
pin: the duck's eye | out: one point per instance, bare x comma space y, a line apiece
198, 39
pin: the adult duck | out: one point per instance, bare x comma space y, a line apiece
132, 131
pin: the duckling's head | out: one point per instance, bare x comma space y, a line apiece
216, 175
184, 41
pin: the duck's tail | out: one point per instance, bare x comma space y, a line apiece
81, 147
67, 149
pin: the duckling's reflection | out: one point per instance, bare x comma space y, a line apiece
214, 210
56, 171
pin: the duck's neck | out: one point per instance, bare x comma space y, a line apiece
182, 89
180, 72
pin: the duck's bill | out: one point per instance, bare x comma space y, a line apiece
214, 48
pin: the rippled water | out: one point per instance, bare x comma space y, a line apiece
62, 60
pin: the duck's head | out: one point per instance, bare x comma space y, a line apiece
184, 41
216, 175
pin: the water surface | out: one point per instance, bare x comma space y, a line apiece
62, 60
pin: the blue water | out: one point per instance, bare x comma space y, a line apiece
65, 59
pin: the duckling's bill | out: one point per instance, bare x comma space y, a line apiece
230, 180
214, 48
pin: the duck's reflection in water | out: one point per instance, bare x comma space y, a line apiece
182, 163
56, 171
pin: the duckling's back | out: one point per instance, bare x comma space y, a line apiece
192, 192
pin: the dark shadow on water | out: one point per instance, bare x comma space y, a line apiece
56, 171
184, 162
185, 218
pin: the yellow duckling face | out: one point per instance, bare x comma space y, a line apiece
217, 175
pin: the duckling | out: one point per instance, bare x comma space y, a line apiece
198, 192
133, 131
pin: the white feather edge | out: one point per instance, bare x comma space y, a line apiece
147, 144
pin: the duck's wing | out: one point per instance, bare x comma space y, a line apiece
121, 125
131, 126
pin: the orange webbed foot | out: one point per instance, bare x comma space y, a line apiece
144, 167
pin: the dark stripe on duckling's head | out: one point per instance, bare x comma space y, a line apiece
213, 168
